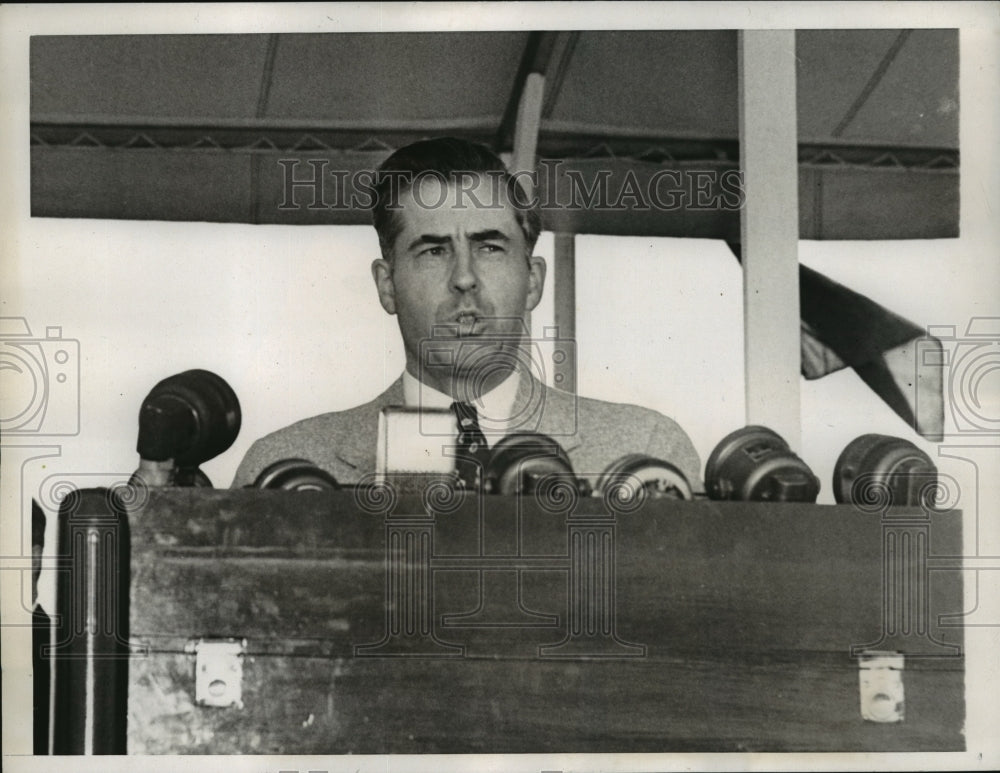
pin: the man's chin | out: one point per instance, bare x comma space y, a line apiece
472, 359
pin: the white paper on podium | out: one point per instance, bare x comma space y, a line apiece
415, 441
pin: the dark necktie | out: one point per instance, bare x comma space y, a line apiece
472, 449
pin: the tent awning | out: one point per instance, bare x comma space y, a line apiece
205, 127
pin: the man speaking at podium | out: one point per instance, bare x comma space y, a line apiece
457, 234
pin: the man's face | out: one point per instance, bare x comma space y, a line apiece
460, 272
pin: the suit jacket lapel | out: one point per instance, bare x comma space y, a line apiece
358, 448
556, 411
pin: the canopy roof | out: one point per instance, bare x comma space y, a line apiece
191, 127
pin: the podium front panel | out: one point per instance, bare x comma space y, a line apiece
526, 625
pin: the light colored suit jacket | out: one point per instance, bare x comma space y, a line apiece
594, 433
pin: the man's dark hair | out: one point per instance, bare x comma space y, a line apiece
448, 159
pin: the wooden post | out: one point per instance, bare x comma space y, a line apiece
769, 226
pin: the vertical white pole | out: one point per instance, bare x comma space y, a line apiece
564, 302
529, 121
769, 226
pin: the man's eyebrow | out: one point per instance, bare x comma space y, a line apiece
488, 235
428, 239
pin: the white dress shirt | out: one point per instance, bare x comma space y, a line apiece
495, 408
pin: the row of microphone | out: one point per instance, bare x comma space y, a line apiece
752, 464
193, 416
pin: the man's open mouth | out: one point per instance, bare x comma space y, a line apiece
468, 323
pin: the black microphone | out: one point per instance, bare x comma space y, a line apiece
520, 463
295, 475
642, 475
755, 464
41, 625
185, 420
883, 466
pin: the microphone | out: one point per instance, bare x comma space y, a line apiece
295, 475
895, 466
520, 462
641, 475
755, 464
185, 420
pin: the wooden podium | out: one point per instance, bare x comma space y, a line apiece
358, 621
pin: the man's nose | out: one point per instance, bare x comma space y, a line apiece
463, 274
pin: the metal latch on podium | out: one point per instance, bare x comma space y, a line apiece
218, 671
881, 684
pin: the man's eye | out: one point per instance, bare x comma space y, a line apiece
433, 251
492, 249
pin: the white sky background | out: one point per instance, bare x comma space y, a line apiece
288, 315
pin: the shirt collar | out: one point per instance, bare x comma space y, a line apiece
495, 408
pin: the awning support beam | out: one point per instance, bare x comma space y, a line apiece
769, 227
534, 60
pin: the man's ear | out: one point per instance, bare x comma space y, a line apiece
536, 282
382, 274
